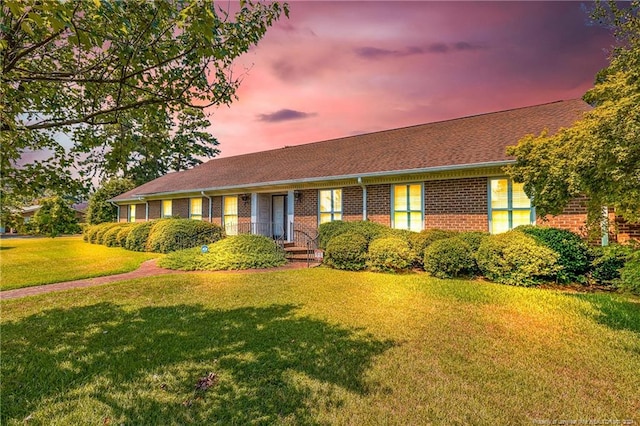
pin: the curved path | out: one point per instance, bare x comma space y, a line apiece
147, 269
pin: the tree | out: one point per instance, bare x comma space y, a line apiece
142, 150
599, 156
67, 66
55, 217
100, 210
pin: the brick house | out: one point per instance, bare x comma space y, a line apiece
445, 175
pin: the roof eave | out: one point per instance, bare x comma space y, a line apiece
437, 169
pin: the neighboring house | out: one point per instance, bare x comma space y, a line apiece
445, 175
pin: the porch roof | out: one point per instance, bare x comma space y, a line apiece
468, 142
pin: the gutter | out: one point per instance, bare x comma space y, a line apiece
328, 178
117, 206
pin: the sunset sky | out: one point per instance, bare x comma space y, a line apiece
343, 68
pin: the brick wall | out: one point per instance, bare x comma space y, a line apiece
352, 203
306, 208
573, 217
141, 212
217, 210
123, 212
379, 204
457, 204
627, 231
180, 208
155, 209
244, 211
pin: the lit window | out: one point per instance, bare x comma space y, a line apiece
195, 212
132, 213
408, 207
509, 206
167, 208
230, 214
330, 205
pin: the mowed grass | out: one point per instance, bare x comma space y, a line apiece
26, 262
318, 346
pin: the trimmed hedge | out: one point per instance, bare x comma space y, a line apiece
630, 274
516, 258
110, 236
121, 238
448, 258
419, 241
93, 234
389, 254
177, 234
138, 236
573, 252
232, 253
607, 262
369, 230
347, 251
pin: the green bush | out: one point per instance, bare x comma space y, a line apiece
389, 254
630, 274
123, 233
516, 258
573, 252
110, 236
138, 235
232, 253
473, 238
347, 251
102, 230
369, 230
177, 234
607, 262
449, 258
419, 241
93, 234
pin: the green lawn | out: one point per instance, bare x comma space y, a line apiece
26, 262
318, 347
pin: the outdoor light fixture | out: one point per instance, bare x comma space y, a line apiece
297, 195
245, 198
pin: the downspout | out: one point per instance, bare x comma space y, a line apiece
364, 198
117, 206
210, 205
604, 225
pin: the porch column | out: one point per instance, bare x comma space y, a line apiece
290, 215
254, 213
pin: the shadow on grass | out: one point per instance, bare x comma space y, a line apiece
113, 355
614, 312
6, 248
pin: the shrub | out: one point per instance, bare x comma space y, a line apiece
235, 252
110, 236
138, 236
573, 252
347, 251
123, 233
369, 230
515, 258
473, 238
328, 230
419, 241
449, 258
607, 262
94, 233
630, 274
389, 254
176, 234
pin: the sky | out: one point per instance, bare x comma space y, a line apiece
340, 68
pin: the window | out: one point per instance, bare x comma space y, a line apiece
230, 214
195, 210
132, 213
509, 206
167, 208
408, 207
330, 205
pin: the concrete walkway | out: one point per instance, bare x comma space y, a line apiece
147, 269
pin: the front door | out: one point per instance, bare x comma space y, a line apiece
279, 215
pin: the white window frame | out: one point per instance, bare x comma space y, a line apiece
409, 209
510, 209
333, 212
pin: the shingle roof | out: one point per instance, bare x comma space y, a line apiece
479, 139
